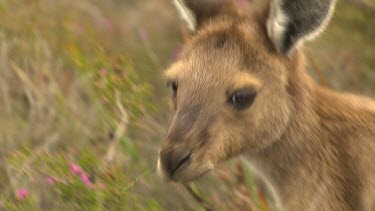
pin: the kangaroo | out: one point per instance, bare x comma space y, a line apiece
240, 87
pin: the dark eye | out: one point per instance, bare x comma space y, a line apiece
242, 98
174, 87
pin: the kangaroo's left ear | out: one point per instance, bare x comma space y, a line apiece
196, 12
293, 21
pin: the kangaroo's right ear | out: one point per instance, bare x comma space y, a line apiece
195, 12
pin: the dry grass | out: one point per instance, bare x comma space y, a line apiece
80, 82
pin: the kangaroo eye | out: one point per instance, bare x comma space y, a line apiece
242, 98
173, 85
174, 88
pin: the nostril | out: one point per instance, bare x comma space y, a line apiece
173, 161
182, 162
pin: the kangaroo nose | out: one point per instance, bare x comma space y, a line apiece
172, 161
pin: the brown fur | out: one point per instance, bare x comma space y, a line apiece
314, 147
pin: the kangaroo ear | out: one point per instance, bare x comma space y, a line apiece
195, 12
291, 22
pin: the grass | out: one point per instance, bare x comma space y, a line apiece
83, 107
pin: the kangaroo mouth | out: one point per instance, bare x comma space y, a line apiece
186, 172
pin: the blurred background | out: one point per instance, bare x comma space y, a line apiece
84, 107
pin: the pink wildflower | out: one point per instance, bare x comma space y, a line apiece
109, 24
103, 71
22, 193
50, 181
76, 169
86, 179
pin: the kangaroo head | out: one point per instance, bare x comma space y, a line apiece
230, 84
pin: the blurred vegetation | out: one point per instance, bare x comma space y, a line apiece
83, 107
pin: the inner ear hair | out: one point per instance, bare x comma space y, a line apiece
186, 14
291, 22
195, 12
